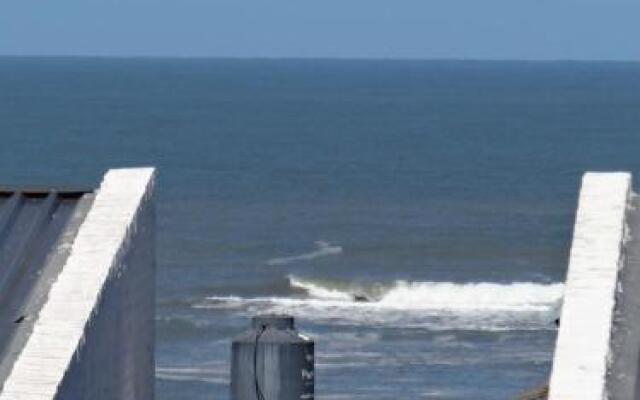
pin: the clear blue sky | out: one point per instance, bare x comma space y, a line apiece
477, 29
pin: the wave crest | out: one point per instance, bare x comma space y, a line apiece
518, 296
431, 305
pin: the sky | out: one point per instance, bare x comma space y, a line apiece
407, 29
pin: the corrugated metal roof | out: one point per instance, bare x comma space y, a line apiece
37, 228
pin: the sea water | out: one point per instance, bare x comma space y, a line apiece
443, 193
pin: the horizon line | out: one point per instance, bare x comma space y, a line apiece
319, 58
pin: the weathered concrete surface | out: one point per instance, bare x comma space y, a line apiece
622, 378
582, 350
116, 358
94, 337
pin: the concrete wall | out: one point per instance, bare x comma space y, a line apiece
583, 351
116, 358
622, 376
94, 336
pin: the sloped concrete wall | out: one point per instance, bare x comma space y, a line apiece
94, 336
583, 350
116, 358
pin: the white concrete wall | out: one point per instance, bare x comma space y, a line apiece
582, 351
116, 358
94, 337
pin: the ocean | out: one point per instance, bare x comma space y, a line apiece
443, 191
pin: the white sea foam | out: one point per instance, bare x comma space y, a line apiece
432, 305
322, 249
405, 295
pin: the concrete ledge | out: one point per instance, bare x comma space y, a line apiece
582, 354
95, 255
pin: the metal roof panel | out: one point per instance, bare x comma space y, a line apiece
37, 228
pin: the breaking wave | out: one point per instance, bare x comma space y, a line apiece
522, 296
322, 249
432, 305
